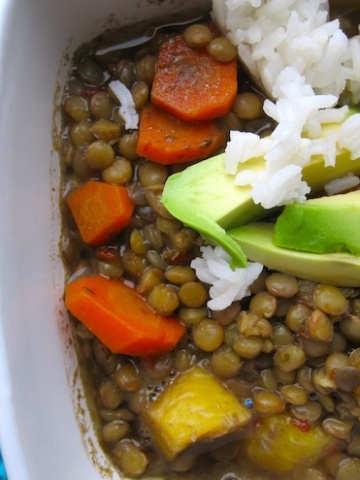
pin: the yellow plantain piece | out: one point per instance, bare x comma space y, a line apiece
279, 444
196, 407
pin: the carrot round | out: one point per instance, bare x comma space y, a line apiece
100, 210
120, 318
165, 139
190, 84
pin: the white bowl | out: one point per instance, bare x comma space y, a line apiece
44, 431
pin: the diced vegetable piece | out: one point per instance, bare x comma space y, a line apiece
168, 140
190, 84
100, 210
280, 443
120, 318
195, 407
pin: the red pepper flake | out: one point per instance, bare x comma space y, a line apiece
88, 92
301, 425
107, 253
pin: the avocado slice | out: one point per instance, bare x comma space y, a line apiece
256, 240
206, 199
321, 225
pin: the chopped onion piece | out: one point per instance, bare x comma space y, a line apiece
127, 107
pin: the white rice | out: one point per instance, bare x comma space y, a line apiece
303, 63
343, 184
127, 108
227, 285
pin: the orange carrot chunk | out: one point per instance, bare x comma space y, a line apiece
165, 139
190, 84
100, 210
120, 318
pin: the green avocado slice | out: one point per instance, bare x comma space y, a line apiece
321, 225
206, 199
256, 240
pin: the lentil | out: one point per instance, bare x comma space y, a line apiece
180, 275
296, 317
90, 71
268, 402
119, 172
263, 304
228, 315
127, 145
294, 394
309, 411
335, 361
127, 378
99, 155
289, 357
131, 459
140, 93
197, 35
163, 299
350, 328
248, 106
348, 469
192, 316
282, 285
225, 362
105, 130
152, 174
80, 133
79, 165
192, 294
330, 299
110, 395
145, 68
340, 429
248, 346
100, 106
148, 279
113, 431
222, 49
208, 335
282, 335
77, 107
320, 326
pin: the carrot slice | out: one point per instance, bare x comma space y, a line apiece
190, 84
100, 210
120, 318
165, 139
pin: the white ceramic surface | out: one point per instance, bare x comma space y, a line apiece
40, 436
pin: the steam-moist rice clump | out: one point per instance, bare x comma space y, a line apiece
303, 63
227, 285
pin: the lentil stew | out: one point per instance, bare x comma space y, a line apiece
285, 361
